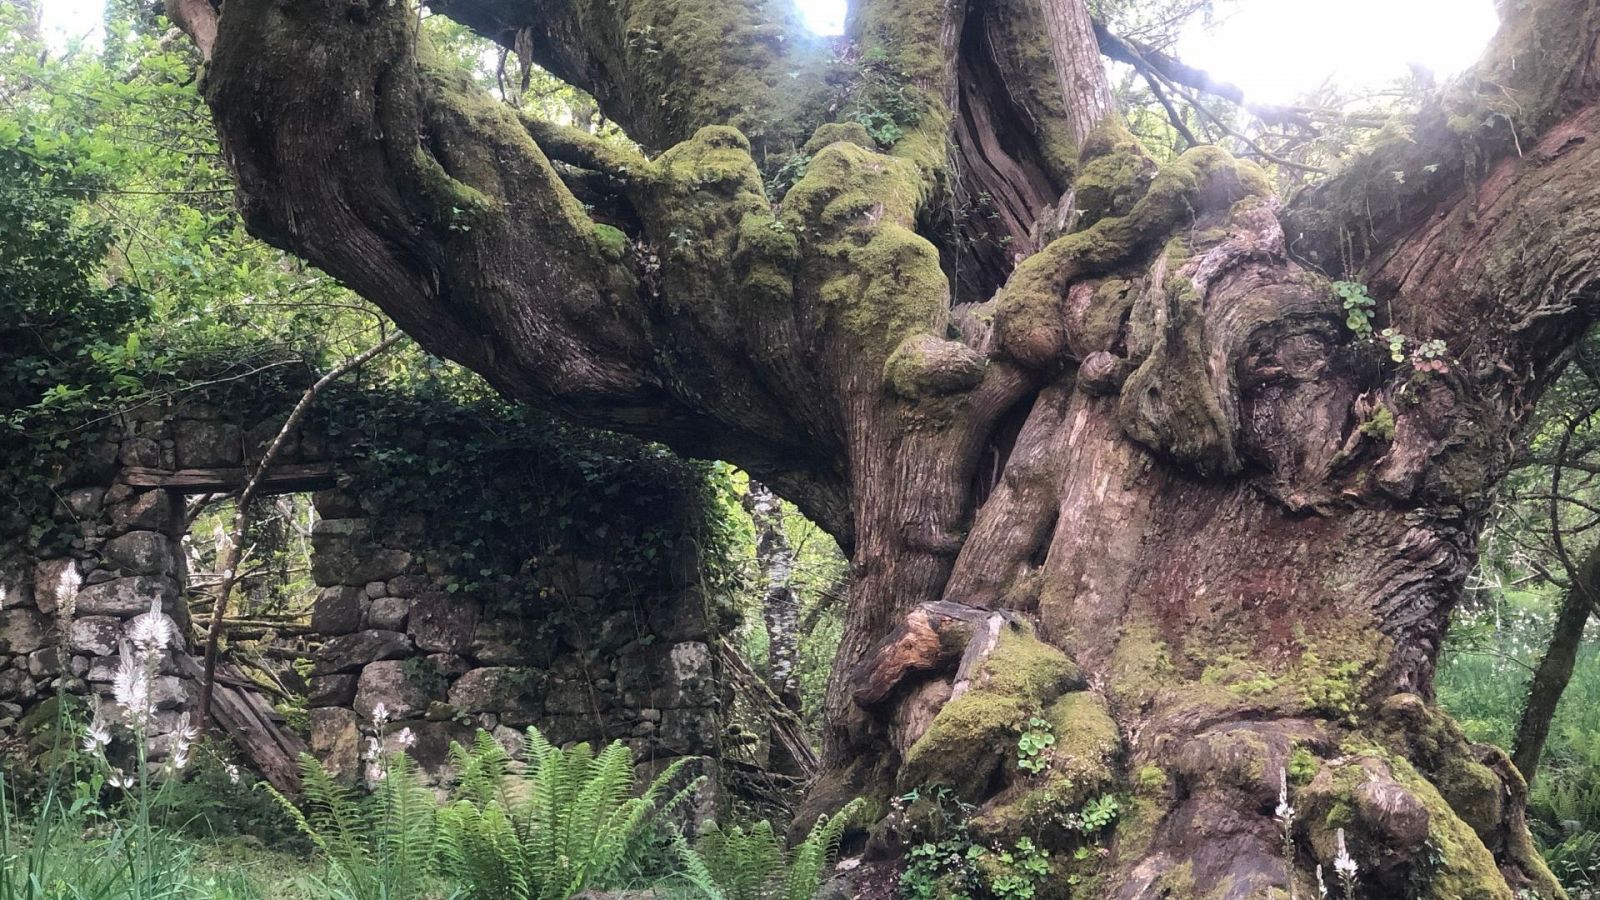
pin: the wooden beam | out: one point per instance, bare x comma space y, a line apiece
281, 479
244, 715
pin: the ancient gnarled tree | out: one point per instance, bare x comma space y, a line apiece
1096, 432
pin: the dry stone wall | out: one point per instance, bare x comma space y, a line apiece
585, 612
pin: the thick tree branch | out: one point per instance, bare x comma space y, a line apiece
197, 19
663, 70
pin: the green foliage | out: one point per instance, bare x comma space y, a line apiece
1096, 814
72, 849
785, 175
561, 825
219, 800
62, 337
882, 99
122, 259
1358, 306
1482, 682
376, 848
1576, 861
1396, 343
950, 864
1360, 309
1033, 746
739, 864
1016, 873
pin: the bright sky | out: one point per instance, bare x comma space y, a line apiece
68, 20
1275, 49
1278, 50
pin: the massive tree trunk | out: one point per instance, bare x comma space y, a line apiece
1096, 433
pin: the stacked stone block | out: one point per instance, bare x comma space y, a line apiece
446, 664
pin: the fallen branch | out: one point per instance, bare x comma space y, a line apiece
786, 726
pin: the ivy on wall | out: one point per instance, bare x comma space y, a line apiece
503, 489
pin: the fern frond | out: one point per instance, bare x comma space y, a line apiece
752, 865
696, 875
563, 824
811, 858
406, 814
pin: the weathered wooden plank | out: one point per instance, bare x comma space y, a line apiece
248, 719
280, 479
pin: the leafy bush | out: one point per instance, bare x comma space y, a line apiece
1483, 683
218, 799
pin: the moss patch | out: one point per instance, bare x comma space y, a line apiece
1030, 319
974, 736
853, 213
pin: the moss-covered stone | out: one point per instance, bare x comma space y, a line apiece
1087, 740
707, 195
879, 281
839, 132
613, 243
965, 747
1150, 779
1474, 792
1112, 176
924, 366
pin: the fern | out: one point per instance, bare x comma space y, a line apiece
481, 771
376, 848
735, 864
564, 824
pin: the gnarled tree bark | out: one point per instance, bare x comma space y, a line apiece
1117, 414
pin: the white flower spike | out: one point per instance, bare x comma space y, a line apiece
1342, 861
187, 733
130, 687
153, 631
96, 736
1285, 812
